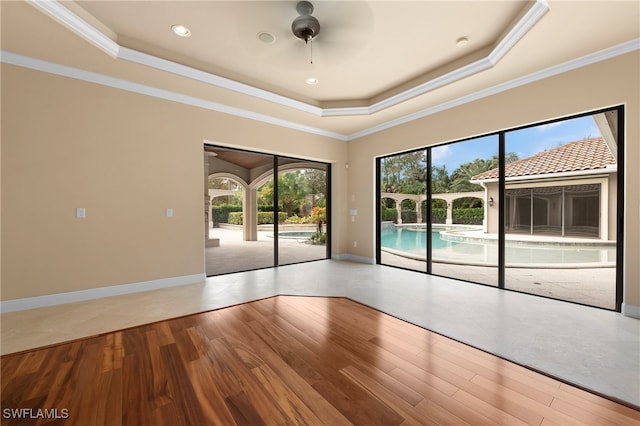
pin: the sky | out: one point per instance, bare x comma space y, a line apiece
524, 142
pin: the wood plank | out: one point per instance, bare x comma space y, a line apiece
293, 407
354, 403
287, 373
290, 360
433, 394
588, 401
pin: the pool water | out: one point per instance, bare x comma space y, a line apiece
414, 241
296, 234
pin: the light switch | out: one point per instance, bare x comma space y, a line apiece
353, 212
168, 212
80, 213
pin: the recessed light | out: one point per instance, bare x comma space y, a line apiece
266, 38
312, 81
181, 30
462, 41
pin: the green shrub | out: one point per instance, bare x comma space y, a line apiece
319, 238
469, 216
220, 214
235, 218
295, 219
388, 214
438, 215
409, 216
264, 218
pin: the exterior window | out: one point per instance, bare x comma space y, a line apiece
572, 210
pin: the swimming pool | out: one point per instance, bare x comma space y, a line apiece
448, 248
295, 234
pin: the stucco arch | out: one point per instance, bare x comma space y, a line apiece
214, 193
250, 192
449, 198
287, 167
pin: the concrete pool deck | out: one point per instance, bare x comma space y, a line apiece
479, 234
235, 255
589, 286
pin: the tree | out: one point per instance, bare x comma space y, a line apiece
316, 185
291, 190
405, 173
440, 180
265, 194
460, 178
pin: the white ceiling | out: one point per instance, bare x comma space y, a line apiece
378, 63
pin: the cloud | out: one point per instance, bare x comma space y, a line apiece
440, 153
546, 127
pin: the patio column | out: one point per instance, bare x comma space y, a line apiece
208, 241
250, 214
419, 210
449, 220
399, 210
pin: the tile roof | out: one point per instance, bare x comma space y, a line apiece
586, 154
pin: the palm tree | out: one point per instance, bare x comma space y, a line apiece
462, 175
440, 180
291, 190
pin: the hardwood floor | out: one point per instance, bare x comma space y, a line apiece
287, 360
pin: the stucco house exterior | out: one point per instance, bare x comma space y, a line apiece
568, 191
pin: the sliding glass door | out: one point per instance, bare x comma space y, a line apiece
534, 209
256, 221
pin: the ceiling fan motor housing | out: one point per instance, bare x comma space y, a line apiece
305, 26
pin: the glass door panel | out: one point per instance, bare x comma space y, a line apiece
239, 190
561, 210
303, 226
464, 214
403, 238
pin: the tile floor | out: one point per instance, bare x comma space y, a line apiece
596, 349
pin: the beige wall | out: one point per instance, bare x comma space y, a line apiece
125, 158
602, 85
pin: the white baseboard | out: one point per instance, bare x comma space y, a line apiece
14, 305
632, 311
354, 258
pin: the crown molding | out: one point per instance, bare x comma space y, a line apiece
67, 18
64, 16
529, 19
66, 71
104, 80
602, 55
213, 80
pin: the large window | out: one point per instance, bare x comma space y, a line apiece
533, 209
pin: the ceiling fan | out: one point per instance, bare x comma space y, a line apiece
346, 28
305, 26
